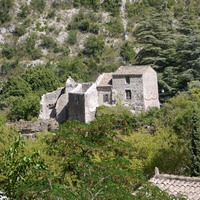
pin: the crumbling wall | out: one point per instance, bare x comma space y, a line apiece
48, 104
91, 103
55, 104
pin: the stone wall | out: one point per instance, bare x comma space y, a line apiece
150, 88
136, 102
48, 104
55, 104
91, 103
77, 106
104, 91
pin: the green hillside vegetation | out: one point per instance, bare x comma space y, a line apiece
44, 42
164, 34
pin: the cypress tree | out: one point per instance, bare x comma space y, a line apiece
195, 142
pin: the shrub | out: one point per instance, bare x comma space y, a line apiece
48, 42
72, 37
30, 42
5, 6
127, 52
94, 46
8, 51
112, 6
36, 54
7, 67
24, 11
38, 5
115, 27
51, 14
20, 30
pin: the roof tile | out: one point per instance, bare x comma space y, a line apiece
176, 185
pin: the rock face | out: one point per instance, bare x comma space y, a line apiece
134, 86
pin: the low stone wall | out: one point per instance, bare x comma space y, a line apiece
29, 129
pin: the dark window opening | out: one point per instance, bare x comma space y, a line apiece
105, 98
76, 100
128, 94
51, 106
127, 78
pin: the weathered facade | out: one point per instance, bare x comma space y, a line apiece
135, 87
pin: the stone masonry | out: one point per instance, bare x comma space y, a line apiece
134, 86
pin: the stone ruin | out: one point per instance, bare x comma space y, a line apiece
135, 87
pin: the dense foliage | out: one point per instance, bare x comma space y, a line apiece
110, 158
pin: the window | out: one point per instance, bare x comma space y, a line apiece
128, 94
76, 100
51, 106
105, 98
127, 79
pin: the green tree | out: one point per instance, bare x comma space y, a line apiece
127, 52
15, 86
19, 170
115, 26
195, 142
74, 67
42, 78
25, 107
94, 46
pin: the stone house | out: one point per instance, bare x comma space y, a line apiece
135, 87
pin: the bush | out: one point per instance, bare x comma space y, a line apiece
36, 54
94, 46
30, 42
20, 30
38, 5
25, 108
127, 52
48, 42
24, 11
8, 51
72, 37
112, 6
51, 14
7, 67
5, 6
94, 4
115, 27
15, 86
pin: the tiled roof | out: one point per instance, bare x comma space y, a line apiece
136, 70
105, 80
188, 187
